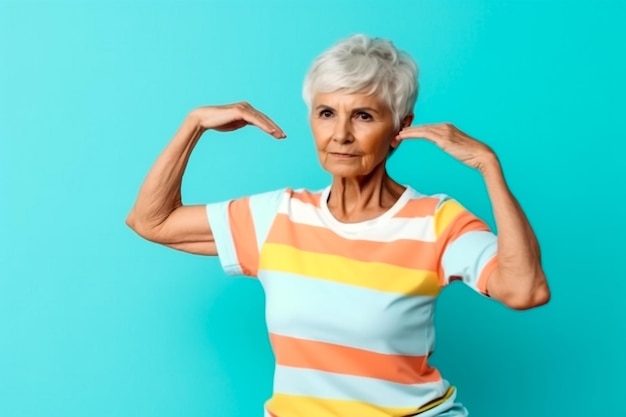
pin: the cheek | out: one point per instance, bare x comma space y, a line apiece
378, 152
320, 136
377, 143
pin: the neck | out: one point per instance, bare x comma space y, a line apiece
357, 199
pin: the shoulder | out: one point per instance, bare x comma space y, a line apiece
285, 197
424, 205
307, 196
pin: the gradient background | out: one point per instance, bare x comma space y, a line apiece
96, 322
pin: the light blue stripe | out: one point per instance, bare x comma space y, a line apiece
217, 214
468, 255
313, 383
264, 208
330, 312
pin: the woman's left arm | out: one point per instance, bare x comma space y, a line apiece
518, 280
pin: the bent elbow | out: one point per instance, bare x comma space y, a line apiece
134, 225
130, 220
539, 297
140, 228
543, 296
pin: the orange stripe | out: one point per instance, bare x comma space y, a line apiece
327, 357
244, 236
419, 207
412, 254
307, 197
462, 223
488, 270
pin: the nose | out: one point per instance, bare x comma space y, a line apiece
342, 132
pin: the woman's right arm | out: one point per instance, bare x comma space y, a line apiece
158, 214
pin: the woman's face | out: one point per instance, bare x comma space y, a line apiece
353, 132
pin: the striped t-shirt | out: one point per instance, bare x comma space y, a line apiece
349, 306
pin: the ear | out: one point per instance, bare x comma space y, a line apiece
406, 122
408, 119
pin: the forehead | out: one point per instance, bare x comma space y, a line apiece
342, 99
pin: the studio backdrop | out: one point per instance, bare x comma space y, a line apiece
97, 322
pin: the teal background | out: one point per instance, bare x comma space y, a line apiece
96, 322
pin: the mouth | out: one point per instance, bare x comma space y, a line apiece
343, 155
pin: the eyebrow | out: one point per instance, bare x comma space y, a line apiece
358, 109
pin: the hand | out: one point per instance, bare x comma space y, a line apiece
231, 117
453, 141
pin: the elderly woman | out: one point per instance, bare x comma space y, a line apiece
351, 272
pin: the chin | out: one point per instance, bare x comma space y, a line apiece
344, 171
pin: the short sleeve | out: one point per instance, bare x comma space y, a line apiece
466, 246
240, 228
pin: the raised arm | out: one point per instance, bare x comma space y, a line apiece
518, 281
158, 214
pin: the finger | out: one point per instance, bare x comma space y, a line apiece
253, 117
419, 132
278, 132
263, 122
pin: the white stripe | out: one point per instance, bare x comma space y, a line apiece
263, 208
419, 228
330, 312
327, 385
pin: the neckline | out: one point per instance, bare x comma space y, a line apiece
366, 224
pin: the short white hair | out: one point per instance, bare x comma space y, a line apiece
361, 64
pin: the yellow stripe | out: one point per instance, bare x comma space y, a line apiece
437, 402
303, 406
372, 275
444, 215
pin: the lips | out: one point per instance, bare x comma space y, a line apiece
343, 155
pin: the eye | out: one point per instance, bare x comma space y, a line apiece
366, 117
325, 114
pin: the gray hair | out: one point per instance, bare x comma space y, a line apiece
361, 64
